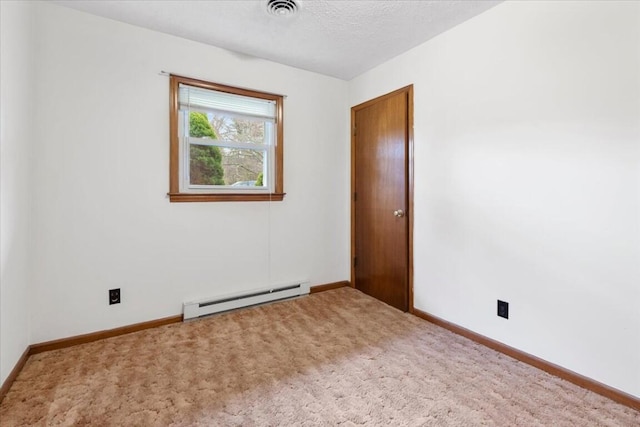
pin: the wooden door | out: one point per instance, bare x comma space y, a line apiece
381, 197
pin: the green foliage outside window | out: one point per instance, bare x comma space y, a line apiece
205, 166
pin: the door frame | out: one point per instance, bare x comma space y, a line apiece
408, 176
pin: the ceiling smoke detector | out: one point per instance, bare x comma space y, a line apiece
282, 7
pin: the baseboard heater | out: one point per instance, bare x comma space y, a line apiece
206, 307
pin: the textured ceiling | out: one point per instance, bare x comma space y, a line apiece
338, 38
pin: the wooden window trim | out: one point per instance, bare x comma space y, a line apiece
174, 155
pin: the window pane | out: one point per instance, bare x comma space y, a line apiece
205, 165
240, 129
242, 168
200, 127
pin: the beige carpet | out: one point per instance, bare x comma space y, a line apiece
333, 358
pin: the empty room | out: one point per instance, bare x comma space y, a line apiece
320, 212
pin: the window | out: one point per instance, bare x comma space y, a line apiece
226, 143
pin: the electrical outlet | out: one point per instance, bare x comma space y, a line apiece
114, 296
503, 309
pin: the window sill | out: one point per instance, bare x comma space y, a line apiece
235, 197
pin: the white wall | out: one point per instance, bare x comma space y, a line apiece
16, 122
527, 189
101, 216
